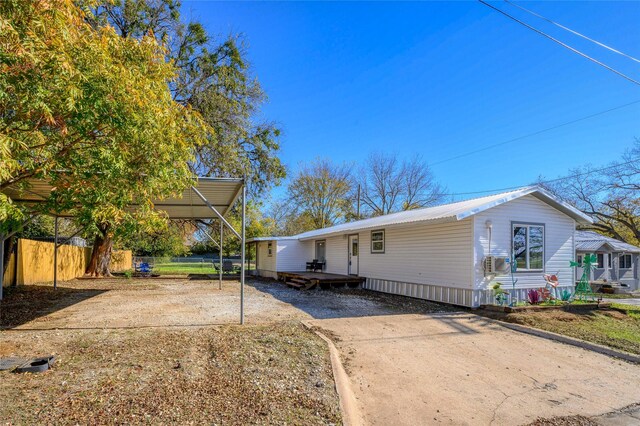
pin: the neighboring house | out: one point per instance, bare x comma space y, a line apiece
617, 260
438, 253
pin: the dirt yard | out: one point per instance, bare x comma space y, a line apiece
178, 302
168, 351
224, 375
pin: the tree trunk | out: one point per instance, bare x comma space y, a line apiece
101, 254
9, 246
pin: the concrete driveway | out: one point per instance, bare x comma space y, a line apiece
633, 302
459, 368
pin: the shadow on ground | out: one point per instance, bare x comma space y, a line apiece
26, 303
346, 302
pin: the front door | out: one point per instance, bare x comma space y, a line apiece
353, 254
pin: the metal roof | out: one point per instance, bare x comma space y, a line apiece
592, 241
257, 239
449, 212
221, 193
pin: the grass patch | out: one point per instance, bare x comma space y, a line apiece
276, 374
184, 268
618, 296
617, 328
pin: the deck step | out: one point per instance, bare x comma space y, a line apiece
299, 281
292, 284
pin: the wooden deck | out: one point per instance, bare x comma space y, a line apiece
309, 280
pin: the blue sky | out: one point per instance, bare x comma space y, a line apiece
440, 79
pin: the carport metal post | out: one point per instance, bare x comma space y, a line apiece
55, 253
220, 256
241, 236
242, 251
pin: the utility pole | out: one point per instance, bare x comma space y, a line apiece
358, 204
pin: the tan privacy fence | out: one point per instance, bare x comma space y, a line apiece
35, 262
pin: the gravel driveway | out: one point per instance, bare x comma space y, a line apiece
180, 302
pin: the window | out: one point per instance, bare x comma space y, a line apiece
600, 260
320, 250
625, 261
270, 249
580, 259
377, 241
528, 246
610, 265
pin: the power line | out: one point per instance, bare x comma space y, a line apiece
575, 175
572, 31
574, 50
548, 129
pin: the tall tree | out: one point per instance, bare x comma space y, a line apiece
214, 79
611, 196
288, 220
322, 191
388, 184
92, 113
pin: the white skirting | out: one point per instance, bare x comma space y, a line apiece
451, 295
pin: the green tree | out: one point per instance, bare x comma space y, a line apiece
169, 240
92, 113
214, 79
322, 192
257, 225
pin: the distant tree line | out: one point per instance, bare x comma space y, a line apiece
324, 193
610, 195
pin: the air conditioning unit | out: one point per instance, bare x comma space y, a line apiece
494, 265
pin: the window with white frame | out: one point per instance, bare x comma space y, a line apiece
377, 241
528, 246
600, 257
625, 261
610, 264
270, 249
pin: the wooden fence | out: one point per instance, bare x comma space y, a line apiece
34, 263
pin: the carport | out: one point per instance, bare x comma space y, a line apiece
209, 198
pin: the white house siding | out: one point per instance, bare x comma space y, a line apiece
293, 255
336, 256
427, 261
266, 265
558, 245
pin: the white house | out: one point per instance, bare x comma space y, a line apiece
441, 253
617, 260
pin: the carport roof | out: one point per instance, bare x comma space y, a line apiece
221, 193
